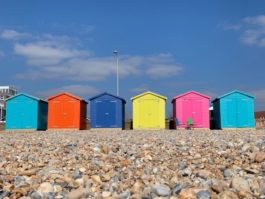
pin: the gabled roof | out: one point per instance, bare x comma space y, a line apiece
148, 92
232, 92
65, 93
24, 94
105, 93
190, 92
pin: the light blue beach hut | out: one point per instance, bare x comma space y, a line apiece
234, 110
24, 111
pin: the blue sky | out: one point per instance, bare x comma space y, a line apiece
168, 47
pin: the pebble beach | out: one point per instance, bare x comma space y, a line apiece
162, 164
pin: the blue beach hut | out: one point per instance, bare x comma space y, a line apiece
107, 111
26, 112
234, 110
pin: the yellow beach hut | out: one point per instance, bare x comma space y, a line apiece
148, 111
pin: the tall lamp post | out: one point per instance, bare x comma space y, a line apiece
116, 53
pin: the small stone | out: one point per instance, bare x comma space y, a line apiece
82, 169
105, 149
124, 195
106, 194
219, 185
19, 181
80, 181
204, 194
185, 172
78, 193
245, 147
189, 193
227, 195
29, 172
77, 174
251, 171
240, 184
35, 195
105, 178
260, 156
177, 189
182, 165
161, 190
96, 179
137, 186
229, 173
204, 174
57, 188
45, 187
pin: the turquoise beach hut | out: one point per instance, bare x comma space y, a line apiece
26, 112
234, 110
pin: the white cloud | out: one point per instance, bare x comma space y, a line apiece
13, 35
46, 52
254, 34
252, 30
256, 20
140, 89
227, 26
84, 91
99, 68
60, 57
160, 70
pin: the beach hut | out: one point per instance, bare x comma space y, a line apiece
66, 111
192, 106
107, 111
24, 111
148, 111
234, 110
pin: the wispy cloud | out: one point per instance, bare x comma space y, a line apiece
99, 68
252, 30
141, 88
256, 20
13, 35
50, 57
76, 89
161, 70
46, 52
227, 26
255, 31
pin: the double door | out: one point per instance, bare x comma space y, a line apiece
149, 111
22, 114
65, 114
237, 112
106, 113
193, 108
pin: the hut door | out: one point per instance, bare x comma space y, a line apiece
197, 112
230, 113
243, 107
24, 117
152, 114
27, 114
69, 113
187, 110
57, 117
106, 113
112, 113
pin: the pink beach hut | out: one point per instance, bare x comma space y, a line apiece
191, 106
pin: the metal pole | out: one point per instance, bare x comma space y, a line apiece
117, 70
